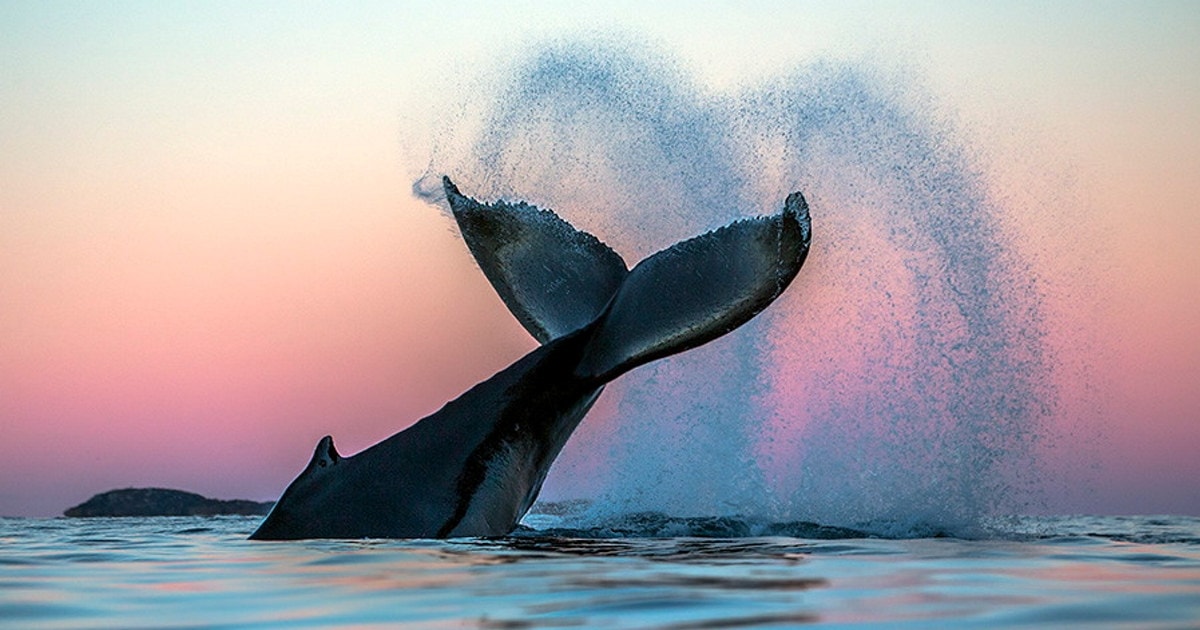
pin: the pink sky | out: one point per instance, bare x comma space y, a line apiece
210, 257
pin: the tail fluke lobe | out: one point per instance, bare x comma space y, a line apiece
698, 290
554, 278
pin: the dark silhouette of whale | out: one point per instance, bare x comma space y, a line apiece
475, 467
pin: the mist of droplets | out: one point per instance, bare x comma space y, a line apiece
900, 380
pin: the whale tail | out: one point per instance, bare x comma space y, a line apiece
557, 279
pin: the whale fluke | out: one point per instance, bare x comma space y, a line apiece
698, 290
554, 278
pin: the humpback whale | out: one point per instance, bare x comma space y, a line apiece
475, 467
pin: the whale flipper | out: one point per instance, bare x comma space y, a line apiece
554, 278
698, 290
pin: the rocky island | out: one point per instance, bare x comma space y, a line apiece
163, 502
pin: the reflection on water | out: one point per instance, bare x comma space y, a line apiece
201, 572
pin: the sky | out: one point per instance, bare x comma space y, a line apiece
211, 254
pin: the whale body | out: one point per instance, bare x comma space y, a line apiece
475, 467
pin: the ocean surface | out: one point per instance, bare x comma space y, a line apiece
642, 571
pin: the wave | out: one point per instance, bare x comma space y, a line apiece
577, 520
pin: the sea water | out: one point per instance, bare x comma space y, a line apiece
639, 571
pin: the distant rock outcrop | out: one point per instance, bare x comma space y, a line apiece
162, 502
